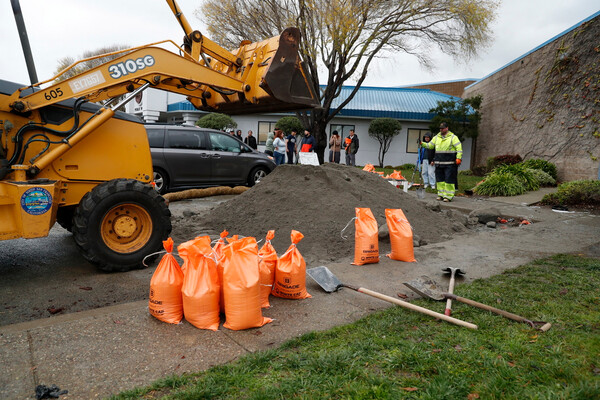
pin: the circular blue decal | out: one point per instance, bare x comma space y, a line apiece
36, 201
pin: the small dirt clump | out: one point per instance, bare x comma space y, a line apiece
318, 201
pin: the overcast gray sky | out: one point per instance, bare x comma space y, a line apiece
60, 28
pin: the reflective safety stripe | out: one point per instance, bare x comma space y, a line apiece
445, 162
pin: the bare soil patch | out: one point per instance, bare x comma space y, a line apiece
319, 202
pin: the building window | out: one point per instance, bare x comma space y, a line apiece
264, 127
343, 130
414, 135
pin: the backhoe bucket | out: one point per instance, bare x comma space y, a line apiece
273, 76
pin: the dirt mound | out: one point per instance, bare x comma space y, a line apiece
319, 202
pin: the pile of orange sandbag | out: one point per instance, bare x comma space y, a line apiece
396, 175
233, 277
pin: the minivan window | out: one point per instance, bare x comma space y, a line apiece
221, 142
185, 139
156, 137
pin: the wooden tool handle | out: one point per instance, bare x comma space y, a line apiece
448, 309
416, 308
473, 303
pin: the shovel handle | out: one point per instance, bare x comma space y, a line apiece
414, 307
474, 303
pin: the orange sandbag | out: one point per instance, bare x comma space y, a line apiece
201, 286
165, 288
366, 238
369, 168
290, 275
218, 248
267, 264
397, 175
218, 252
241, 286
401, 236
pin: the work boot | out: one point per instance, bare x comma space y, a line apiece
446, 200
439, 198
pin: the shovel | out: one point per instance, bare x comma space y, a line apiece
330, 283
427, 287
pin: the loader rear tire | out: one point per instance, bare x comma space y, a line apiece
120, 222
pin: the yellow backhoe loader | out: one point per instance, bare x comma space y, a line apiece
66, 159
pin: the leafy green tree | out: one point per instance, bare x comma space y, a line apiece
462, 116
342, 38
217, 121
384, 130
288, 123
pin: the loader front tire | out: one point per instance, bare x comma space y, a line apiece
120, 222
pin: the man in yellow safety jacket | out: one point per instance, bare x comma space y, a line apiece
448, 156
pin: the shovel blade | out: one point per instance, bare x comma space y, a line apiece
325, 278
426, 287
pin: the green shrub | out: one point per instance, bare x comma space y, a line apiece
544, 165
506, 159
581, 192
500, 184
522, 173
466, 172
542, 177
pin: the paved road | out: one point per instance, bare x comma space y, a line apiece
46, 277
100, 352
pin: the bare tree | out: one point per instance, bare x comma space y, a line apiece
341, 38
93, 62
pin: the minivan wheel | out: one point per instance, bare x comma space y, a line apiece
161, 181
256, 175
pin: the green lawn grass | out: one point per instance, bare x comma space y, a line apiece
399, 354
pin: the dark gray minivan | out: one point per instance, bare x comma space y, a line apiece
187, 156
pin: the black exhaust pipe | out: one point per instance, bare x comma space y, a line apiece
24, 41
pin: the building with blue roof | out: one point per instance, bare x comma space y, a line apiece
408, 105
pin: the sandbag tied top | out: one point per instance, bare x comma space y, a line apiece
168, 245
165, 302
366, 238
218, 248
201, 287
290, 275
267, 265
401, 236
241, 290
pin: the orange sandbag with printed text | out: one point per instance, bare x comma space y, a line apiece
165, 288
366, 238
241, 287
290, 275
267, 264
201, 287
401, 236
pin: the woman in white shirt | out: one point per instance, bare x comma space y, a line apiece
279, 148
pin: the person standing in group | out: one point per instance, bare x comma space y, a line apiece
250, 140
308, 143
351, 148
279, 148
238, 135
290, 142
427, 164
335, 147
448, 156
269, 142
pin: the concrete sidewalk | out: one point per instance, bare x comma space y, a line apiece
97, 353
